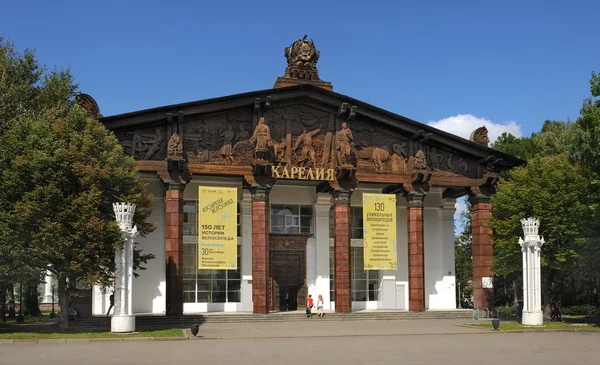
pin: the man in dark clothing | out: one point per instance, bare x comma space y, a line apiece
112, 303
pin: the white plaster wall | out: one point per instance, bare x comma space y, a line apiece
246, 259
322, 207
149, 288
438, 236
447, 287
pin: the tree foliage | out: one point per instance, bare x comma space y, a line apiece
553, 190
60, 172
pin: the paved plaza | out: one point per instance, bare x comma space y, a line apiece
352, 342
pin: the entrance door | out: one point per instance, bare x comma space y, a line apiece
286, 269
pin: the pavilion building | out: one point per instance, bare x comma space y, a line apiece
301, 157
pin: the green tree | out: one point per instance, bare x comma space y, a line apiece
60, 179
555, 191
523, 148
27, 88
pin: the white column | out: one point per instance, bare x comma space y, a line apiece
322, 207
48, 288
123, 319
531, 245
246, 217
311, 267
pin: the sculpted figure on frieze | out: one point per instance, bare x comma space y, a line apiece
279, 150
305, 140
175, 148
227, 149
261, 139
345, 146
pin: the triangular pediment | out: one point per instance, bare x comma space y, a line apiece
218, 132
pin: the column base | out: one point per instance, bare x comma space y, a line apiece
47, 299
122, 323
532, 318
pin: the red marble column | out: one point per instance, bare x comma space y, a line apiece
416, 258
174, 249
260, 249
341, 222
483, 251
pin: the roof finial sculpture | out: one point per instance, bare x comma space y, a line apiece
302, 57
480, 136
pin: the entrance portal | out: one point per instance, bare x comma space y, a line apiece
288, 263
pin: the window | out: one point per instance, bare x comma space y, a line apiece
291, 218
206, 286
356, 223
365, 284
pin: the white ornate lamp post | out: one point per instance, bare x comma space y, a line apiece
532, 294
123, 319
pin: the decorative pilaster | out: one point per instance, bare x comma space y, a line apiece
260, 248
174, 249
341, 224
123, 319
532, 285
482, 251
416, 258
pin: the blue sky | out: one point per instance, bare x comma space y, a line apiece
453, 64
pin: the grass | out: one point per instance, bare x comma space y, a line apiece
548, 326
54, 334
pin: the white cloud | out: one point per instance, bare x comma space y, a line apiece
463, 125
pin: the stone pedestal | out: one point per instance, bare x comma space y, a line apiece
122, 323
532, 293
341, 224
416, 258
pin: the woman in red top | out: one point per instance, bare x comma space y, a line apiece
309, 305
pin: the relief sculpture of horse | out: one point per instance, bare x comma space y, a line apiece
379, 155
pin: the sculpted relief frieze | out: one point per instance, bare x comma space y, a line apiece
149, 143
444, 162
379, 149
220, 138
300, 141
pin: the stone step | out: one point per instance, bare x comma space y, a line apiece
187, 320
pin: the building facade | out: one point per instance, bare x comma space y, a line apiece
301, 157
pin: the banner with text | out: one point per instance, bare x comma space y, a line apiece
217, 228
379, 228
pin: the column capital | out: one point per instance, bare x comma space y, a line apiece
341, 196
476, 198
414, 199
260, 193
174, 185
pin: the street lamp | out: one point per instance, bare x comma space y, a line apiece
459, 297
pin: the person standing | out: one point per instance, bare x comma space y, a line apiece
309, 305
112, 303
320, 306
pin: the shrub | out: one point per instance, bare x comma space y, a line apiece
581, 310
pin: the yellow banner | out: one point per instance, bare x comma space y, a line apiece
217, 228
379, 228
